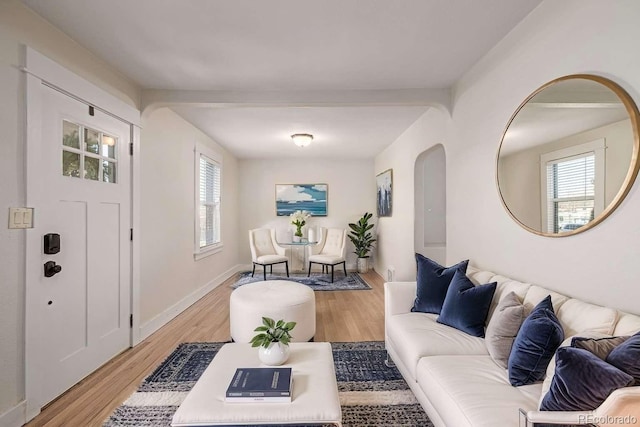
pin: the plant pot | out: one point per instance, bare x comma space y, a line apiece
296, 239
363, 265
276, 354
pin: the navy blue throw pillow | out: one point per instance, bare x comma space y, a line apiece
626, 356
432, 284
582, 381
466, 306
537, 340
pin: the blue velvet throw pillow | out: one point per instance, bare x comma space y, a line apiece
626, 357
537, 340
582, 381
432, 283
466, 306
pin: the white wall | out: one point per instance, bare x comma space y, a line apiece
396, 233
556, 39
18, 26
352, 192
169, 273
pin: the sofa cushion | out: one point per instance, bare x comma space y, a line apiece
473, 391
535, 344
535, 294
432, 283
466, 306
626, 357
582, 381
577, 316
600, 347
503, 328
628, 324
415, 335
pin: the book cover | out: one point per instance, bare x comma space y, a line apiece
260, 384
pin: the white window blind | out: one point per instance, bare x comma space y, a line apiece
570, 192
209, 202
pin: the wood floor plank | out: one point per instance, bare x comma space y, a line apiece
341, 316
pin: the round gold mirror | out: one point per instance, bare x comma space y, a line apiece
569, 155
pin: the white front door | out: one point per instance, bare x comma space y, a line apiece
81, 313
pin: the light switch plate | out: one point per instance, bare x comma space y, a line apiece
20, 217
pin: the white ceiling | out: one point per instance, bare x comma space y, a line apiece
290, 45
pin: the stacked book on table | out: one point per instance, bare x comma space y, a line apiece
260, 385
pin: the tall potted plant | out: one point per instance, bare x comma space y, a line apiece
362, 239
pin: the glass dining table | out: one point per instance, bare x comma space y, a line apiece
297, 259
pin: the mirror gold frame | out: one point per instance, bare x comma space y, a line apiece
634, 163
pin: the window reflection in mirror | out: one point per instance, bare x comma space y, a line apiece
569, 155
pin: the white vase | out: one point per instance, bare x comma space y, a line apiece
363, 265
295, 239
276, 354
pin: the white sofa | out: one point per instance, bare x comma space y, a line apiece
456, 380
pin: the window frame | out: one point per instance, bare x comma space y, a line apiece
596, 147
211, 156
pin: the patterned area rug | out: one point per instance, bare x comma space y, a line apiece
317, 281
371, 394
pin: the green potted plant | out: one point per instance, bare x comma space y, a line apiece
273, 340
362, 239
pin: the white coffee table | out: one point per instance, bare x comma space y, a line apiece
315, 390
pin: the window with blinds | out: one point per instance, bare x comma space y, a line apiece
209, 202
570, 192
208, 199
572, 186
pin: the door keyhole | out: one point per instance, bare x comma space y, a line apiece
51, 269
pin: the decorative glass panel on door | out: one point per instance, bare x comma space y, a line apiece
108, 171
108, 146
92, 140
91, 168
70, 164
70, 134
88, 153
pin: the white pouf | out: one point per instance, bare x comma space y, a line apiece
277, 299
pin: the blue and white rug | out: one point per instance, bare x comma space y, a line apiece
317, 281
371, 394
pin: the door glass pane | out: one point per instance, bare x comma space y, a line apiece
91, 168
92, 140
70, 164
70, 134
108, 171
108, 146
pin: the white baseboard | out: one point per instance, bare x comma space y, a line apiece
15, 417
166, 316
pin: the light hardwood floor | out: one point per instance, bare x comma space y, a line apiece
340, 316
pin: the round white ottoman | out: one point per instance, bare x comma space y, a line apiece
277, 299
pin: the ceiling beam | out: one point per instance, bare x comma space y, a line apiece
157, 98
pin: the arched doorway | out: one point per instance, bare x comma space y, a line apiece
430, 238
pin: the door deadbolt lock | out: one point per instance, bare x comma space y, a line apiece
51, 269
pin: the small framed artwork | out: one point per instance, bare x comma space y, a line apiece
384, 185
304, 197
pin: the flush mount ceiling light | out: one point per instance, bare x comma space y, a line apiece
302, 139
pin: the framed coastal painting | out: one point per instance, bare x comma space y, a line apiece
384, 186
305, 197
